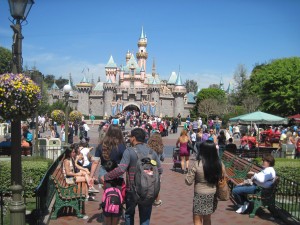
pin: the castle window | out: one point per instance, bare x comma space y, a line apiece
141, 50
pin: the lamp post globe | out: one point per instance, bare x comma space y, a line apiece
19, 10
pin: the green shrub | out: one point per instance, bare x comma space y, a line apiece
33, 170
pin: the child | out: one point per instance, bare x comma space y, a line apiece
112, 218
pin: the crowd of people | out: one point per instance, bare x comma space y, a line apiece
115, 155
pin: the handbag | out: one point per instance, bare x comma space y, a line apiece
223, 191
190, 147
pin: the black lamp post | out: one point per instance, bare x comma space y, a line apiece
19, 10
67, 93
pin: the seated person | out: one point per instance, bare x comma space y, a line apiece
70, 173
231, 147
264, 179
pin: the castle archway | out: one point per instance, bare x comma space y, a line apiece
131, 106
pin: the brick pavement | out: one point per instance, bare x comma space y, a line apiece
177, 200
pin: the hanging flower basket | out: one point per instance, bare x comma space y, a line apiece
75, 116
19, 96
58, 116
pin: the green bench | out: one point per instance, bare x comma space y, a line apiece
67, 195
237, 173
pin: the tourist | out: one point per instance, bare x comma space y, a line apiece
231, 147
155, 142
128, 165
212, 136
71, 175
205, 172
264, 179
182, 144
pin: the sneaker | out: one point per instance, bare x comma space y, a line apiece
90, 198
243, 208
157, 203
85, 217
93, 190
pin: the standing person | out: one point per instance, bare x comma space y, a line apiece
184, 153
92, 118
76, 126
70, 133
206, 171
27, 135
155, 142
85, 150
110, 151
212, 136
128, 165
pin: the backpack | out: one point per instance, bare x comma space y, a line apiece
29, 137
146, 179
112, 201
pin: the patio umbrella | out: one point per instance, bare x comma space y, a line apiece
295, 117
259, 118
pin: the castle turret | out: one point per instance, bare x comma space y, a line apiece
109, 92
111, 69
84, 89
154, 90
128, 56
221, 84
142, 53
178, 92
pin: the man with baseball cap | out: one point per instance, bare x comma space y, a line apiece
128, 165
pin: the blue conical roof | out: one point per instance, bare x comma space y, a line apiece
178, 81
111, 62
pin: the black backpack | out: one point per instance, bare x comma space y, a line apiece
146, 179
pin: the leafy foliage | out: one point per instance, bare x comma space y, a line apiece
5, 60
191, 86
278, 85
58, 116
32, 174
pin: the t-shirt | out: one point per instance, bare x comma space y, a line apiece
265, 178
115, 155
85, 152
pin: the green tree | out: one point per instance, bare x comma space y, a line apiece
5, 60
191, 86
241, 84
278, 85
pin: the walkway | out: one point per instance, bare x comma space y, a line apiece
177, 202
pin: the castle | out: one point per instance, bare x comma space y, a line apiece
130, 87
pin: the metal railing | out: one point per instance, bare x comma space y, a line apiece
288, 197
45, 192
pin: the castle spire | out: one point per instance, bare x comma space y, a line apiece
142, 33
153, 68
178, 80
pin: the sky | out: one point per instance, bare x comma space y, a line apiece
206, 40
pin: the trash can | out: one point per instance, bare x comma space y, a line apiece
54, 148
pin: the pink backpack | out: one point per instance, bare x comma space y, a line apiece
112, 200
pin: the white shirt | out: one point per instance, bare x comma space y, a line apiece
85, 152
193, 136
265, 178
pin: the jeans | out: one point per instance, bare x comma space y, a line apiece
144, 211
240, 192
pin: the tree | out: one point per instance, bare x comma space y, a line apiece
5, 60
241, 84
208, 107
278, 85
191, 86
217, 86
251, 103
214, 93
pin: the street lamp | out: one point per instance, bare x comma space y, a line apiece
67, 93
19, 10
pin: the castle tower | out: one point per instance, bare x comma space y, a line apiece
142, 53
128, 56
154, 90
84, 89
153, 68
178, 92
221, 84
109, 90
111, 70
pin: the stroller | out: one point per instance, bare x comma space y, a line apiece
176, 159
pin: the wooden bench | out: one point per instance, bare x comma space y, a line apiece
67, 195
252, 153
236, 168
264, 197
